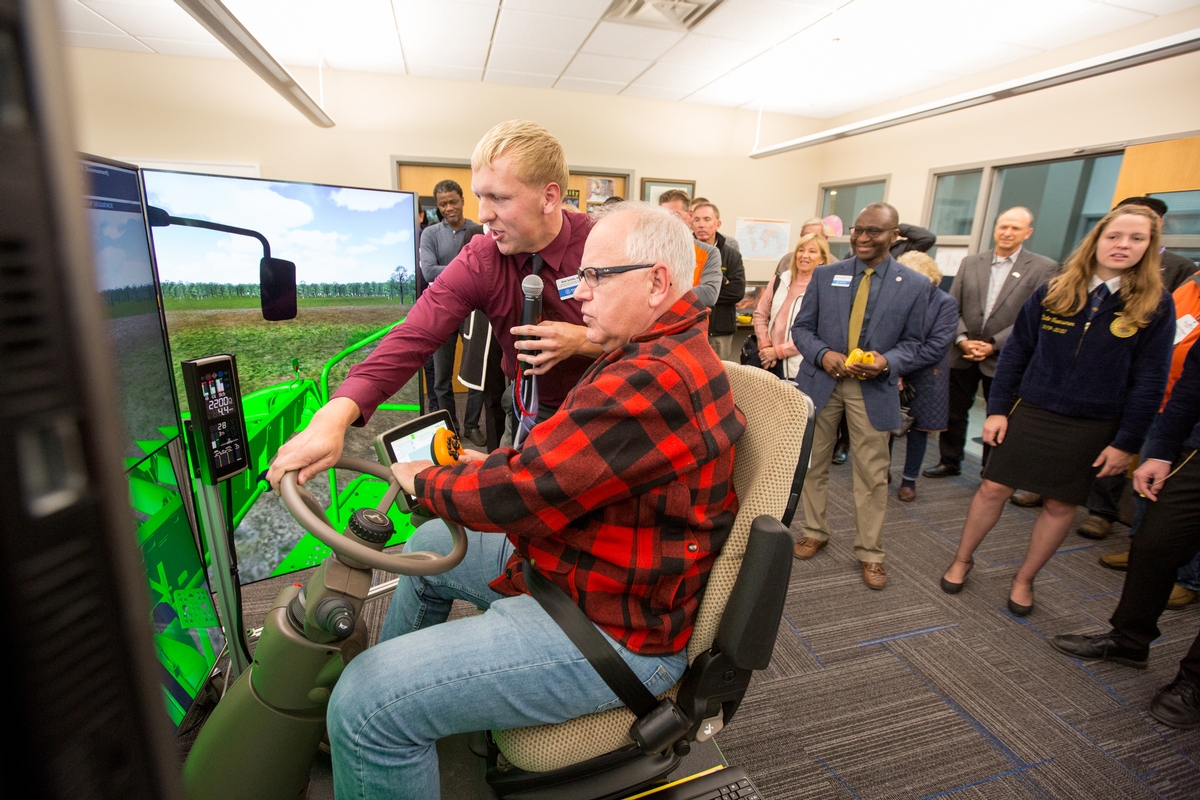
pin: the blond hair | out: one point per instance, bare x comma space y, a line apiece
922, 263
1141, 285
826, 255
537, 156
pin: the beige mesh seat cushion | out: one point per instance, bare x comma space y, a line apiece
764, 465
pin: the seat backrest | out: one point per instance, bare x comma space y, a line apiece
764, 467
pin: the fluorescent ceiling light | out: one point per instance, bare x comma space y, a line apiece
1180, 43
221, 23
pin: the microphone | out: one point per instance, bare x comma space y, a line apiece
531, 308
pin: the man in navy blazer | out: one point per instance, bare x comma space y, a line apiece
865, 394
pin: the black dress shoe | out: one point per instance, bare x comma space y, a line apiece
942, 471
1092, 648
1019, 610
839, 453
1177, 704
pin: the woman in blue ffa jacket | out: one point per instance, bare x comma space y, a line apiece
1075, 390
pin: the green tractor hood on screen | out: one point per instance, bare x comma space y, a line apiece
276, 276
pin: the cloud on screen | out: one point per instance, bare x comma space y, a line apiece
333, 235
364, 199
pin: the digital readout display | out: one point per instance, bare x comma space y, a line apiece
224, 440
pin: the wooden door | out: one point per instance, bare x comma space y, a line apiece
421, 178
1170, 166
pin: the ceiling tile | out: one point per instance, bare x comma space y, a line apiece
463, 54
652, 92
1154, 6
177, 47
584, 85
444, 21
729, 90
606, 68
528, 59
630, 41
697, 48
1074, 27
519, 78
584, 9
546, 31
75, 17
689, 76
759, 21
105, 41
165, 20
359, 35
445, 71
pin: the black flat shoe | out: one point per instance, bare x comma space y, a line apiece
949, 587
1177, 704
942, 471
1015, 607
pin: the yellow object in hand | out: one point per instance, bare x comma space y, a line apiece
857, 356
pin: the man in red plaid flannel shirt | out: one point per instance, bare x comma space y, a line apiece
623, 498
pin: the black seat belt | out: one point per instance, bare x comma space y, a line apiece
659, 725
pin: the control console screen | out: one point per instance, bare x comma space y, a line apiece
220, 435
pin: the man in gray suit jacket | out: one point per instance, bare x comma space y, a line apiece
990, 289
873, 303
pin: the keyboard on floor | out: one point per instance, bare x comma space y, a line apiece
730, 783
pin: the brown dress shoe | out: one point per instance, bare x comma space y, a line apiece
1024, 499
874, 575
1181, 596
807, 547
1094, 527
906, 494
1117, 561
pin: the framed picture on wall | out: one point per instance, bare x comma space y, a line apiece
600, 189
652, 188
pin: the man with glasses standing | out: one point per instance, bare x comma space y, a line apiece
869, 302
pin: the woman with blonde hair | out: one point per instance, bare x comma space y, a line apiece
1076, 388
780, 302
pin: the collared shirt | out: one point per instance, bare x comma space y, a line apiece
440, 244
629, 529
1113, 284
483, 278
1000, 269
872, 294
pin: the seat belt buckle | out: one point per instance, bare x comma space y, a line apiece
661, 728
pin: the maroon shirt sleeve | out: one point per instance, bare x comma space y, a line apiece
458, 290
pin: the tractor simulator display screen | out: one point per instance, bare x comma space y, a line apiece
187, 633
355, 252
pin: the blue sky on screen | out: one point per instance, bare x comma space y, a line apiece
334, 235
120, 249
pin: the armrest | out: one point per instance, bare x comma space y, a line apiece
751, 619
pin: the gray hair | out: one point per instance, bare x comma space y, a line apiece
656, 235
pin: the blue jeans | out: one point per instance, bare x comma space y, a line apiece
509, 667
914, 454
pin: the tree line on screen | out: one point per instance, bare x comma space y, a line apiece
400, 286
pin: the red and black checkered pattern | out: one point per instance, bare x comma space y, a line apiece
625, 496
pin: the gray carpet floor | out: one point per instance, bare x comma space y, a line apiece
912, 693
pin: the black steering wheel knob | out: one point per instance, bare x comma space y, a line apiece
371, 525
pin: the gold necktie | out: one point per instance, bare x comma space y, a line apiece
859, 309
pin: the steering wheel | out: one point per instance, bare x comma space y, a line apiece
308, 512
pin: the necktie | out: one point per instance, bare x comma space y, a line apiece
1097, 297
859, 309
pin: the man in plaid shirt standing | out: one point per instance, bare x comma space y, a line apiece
623, 498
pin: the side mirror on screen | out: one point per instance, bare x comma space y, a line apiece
277, 288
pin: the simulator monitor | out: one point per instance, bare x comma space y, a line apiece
187, 634
354, 256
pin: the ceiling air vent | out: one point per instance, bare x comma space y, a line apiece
677, 15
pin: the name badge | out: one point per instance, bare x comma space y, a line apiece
842, 281
566, 287
1183, 326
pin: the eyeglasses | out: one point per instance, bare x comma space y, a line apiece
872, 233
592, 275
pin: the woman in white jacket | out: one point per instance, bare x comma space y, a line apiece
779, 304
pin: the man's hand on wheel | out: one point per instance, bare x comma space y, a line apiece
317, 447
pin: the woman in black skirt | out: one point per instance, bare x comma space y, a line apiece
1076, 387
